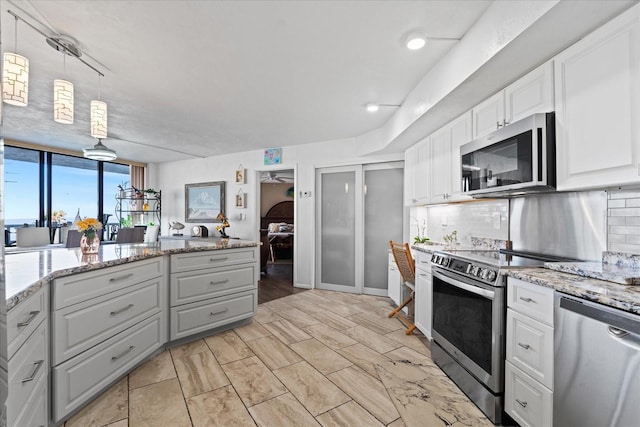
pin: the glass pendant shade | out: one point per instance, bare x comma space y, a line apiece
15, 80
98, 119
63, 101
100, 152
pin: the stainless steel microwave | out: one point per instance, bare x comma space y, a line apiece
517, 159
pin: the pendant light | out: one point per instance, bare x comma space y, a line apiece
100, 152
98, 116
15, 80
63, 99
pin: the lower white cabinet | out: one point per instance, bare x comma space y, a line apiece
394, 282
529, 365
423, 294
82, 377
211, 289
28, 364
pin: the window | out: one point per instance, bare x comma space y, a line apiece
75, 184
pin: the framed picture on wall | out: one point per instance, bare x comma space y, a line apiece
241, 200
273, 156
240, 175
204, 201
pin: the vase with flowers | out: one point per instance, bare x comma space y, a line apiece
224, 224
90, 240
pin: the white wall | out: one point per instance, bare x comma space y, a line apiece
304, 159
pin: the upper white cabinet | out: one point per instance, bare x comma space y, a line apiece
416, 173
531, 94
446, 174
597, 107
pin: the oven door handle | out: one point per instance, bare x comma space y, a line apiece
467, 287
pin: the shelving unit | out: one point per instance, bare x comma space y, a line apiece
142, 207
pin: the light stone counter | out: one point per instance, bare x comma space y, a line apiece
612, 294
27, 272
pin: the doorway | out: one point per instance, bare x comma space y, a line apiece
277, 233
359, 211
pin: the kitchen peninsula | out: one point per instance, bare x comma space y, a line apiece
87, 320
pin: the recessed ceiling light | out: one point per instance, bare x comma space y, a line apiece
416, 41
372, 108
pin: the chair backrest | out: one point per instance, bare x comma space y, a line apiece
33, 236
404, 261
151, 235
130, 235
73, 239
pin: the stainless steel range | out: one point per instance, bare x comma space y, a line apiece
469, 309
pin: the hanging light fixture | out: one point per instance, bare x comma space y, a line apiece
63, 98
15, 80
98, 116
100, 152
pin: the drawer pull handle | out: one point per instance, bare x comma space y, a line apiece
224, 258
527, 299
218, 312
37, 365
423, 275
113, 313
32, 315
117, 279
525, 346
523, 404
219, 282
127, 351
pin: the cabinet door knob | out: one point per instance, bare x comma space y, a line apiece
37, 365
525, 346
506, 122
32, 315
120, 310
127, 351
527, 299
116, 279
498, 125
523, 404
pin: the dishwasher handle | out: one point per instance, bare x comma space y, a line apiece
619, 321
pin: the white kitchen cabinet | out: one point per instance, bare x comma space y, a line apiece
529, 353
104, 322
530, 94
394, 282
211, 289
417, 177
28, 360
598, 105
446, 173
423, 294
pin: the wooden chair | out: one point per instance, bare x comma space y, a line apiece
73, 239
407, 268
130, 235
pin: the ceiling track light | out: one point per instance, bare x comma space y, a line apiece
63, 101
373, 107
417, 40
100, 152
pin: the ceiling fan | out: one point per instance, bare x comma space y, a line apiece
275, 178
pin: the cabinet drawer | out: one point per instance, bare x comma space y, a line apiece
81, 287
208, 259
81, 326
25, 318
530, 347
35, 412
423, 261
533, 300
82, 377
195, 286
26, 370
197, 317
527, 401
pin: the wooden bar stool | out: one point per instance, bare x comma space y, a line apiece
407, 268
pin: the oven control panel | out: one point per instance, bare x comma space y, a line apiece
465, 268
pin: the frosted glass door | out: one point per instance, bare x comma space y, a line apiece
383, 211
337, 234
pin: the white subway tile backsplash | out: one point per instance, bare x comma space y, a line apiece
623, 210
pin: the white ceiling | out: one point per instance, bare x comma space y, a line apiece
198, 78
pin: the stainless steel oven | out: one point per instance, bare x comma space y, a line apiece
469, 330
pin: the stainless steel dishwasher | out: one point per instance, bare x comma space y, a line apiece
596, 364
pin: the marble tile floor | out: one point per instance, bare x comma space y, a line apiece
316, 358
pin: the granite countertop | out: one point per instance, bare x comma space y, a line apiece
615, 267
626, 298
28, 271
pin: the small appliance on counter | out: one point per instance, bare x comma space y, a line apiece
199, 231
